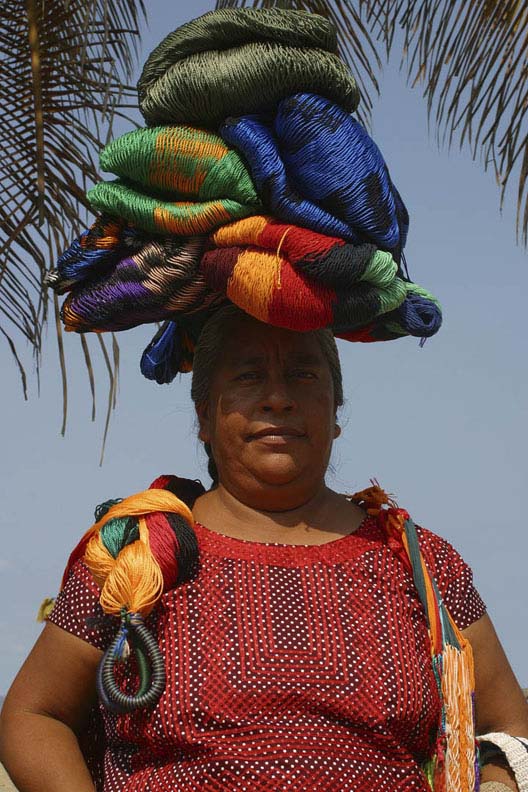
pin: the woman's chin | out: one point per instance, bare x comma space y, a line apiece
276, 469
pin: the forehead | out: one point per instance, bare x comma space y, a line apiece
249, 341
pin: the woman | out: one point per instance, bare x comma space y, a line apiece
280, 635
298, 655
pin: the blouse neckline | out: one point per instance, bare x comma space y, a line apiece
342, 548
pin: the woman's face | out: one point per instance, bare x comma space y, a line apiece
270, 418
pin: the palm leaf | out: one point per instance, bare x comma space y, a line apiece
471, 59
64, 72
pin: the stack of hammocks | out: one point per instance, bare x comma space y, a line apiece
252, 182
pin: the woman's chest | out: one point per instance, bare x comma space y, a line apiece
251, 646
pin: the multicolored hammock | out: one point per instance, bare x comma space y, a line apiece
281, 274
160, 280
291, 277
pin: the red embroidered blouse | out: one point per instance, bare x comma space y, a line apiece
288, 667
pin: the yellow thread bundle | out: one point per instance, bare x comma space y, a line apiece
134, 579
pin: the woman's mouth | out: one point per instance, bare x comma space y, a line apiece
278, 435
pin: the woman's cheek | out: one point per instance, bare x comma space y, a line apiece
238, 401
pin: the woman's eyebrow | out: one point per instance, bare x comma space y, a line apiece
305, 359
250, 360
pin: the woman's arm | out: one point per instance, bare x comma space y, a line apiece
46, 707
500, 703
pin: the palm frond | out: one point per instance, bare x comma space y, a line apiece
112, 386
471, 59
64, 72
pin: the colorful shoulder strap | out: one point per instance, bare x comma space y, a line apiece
453, 766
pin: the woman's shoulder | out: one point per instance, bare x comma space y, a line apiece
440, 554
453, 576
77, 609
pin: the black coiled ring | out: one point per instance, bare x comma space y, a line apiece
150, 664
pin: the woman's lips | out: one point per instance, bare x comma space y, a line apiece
277, 435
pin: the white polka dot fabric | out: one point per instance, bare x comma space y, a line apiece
288, 667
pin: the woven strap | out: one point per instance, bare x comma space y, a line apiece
515, 750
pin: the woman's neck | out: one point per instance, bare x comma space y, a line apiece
323, 516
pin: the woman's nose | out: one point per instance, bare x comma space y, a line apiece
277, 397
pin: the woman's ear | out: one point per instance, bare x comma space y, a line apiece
337, 430
202, 411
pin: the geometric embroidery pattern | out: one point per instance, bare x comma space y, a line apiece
298, 668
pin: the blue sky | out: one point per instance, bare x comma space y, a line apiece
443, 427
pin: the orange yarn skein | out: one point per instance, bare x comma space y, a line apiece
133, 580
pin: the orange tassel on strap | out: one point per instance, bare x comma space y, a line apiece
453, 766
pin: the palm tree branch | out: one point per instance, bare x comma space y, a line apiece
21, 369
65, 69
471, 60
62, 364
34, 45
89, 369
112, 380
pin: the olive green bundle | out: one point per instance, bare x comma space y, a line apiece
240, 61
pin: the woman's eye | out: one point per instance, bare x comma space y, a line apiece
304, 374
247, 376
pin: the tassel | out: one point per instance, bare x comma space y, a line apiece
457, 687
45, 608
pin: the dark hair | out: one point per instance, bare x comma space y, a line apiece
209, 349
